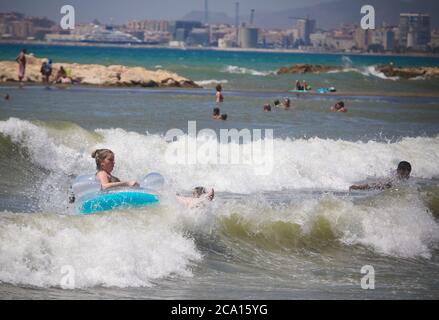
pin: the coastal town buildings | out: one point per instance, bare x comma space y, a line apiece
412, 34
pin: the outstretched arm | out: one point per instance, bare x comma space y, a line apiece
105, 183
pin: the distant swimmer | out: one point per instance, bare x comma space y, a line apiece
217, 116
339, 107
7, 96
200, 197
402, 173
104, 166
285, 104
267, 107
219, 96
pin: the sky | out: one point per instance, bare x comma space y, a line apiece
120, 11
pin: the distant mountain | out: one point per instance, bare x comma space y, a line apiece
214, 17
332, 14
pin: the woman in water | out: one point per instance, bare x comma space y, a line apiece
104, 166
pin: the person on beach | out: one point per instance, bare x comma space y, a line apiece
46, 70
217, 116
21, 60
219, 96
402, 173
339, 107
61, 76
104, 166
267, 107
200, 197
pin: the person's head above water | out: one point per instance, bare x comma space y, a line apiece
198, 191
404, 169
216, 111
104, 159
218, 87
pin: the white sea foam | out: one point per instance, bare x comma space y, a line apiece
242, 70
122, 250
132, 249
210, 82
367, 71
298, 163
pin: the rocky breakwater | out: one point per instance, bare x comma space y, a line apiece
305, 68
408, 73
95, 74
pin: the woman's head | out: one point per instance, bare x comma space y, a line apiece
216, 111
218, 87
267, 107
104, 159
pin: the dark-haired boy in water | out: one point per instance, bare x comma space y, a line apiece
402, 173
200, 196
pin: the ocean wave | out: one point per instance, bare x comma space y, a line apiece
242, 70
132, 249
121, 250
259, 165
210, 82
367, 71
394, 224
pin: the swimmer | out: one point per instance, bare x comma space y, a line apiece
402, 173
339, 107
217, 116
267, 107
104, 166
199, 198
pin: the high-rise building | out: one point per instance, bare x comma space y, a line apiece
414, 30
248, 37
388, 39
305, 27
180, 29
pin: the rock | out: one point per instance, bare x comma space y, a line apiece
408, 73
305, 68
94, 74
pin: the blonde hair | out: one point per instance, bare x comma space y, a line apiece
100, 155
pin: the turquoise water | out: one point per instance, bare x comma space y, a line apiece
246, 70
291, 232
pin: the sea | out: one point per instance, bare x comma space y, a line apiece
283, 224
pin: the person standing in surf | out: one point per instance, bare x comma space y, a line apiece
104, 166
219, 96
21, 60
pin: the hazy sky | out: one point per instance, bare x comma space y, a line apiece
120, 11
